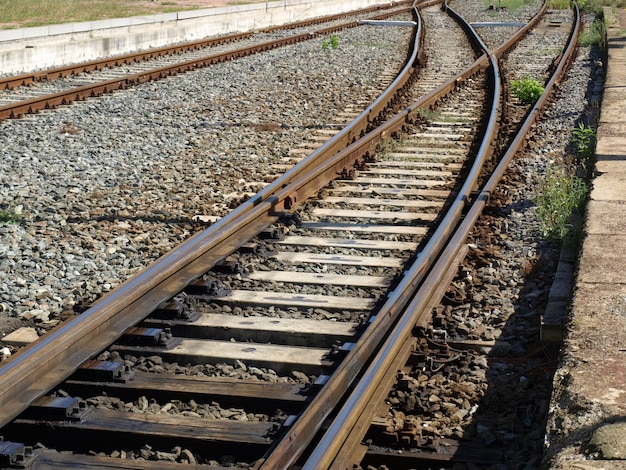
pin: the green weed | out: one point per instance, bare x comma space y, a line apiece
595, 35
526, 90
333, 42
583, 138
8, 217
384, 147
429, 114
559, 196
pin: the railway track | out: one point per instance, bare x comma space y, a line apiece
298, 292
407, 408
31, 92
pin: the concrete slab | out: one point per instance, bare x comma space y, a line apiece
610, 135
610, 441
602, 260
608, 186
613, 104
606, 217
597, 346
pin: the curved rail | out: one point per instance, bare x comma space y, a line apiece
37, 368
396, 303
104, 322
357, 403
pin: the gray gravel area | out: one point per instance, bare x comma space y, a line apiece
104, 187
511, 270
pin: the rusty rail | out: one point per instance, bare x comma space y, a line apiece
25, 79
293, 444
39, 367
29, 78
359, 406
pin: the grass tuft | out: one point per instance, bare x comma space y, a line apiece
559, 197
333, 42
8, 217
595, 35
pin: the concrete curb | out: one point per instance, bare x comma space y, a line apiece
28, 49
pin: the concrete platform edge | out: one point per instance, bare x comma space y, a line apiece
28, 49
587, 417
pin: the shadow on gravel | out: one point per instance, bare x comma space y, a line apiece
507, 294
513, 271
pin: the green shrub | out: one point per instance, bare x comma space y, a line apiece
333, 42
527, 90
583, 139
595, 35
559, 196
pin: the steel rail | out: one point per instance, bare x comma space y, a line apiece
394, 308
26, 79
359, 402
298, 437
29, 78
32, 105
36, 369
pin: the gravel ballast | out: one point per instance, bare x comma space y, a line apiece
104, 187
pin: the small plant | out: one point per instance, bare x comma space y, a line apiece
384, 147
8, 217
559, 196
583, 138
527, 90
333, 42
595, 35
429, 114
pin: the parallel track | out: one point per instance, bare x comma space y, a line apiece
390, 198
33, 92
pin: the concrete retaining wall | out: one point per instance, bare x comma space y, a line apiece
28, 49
